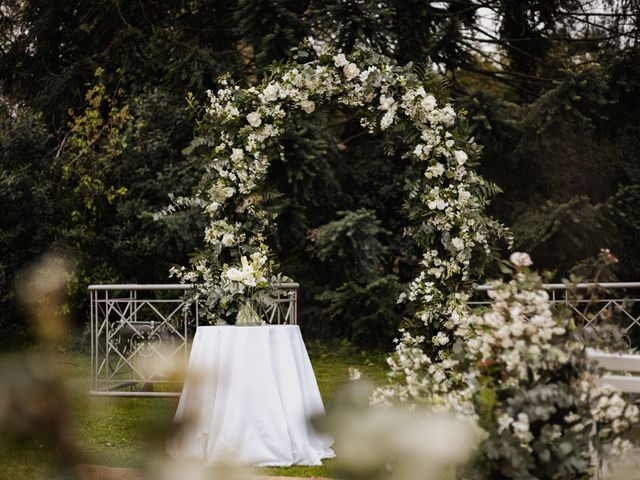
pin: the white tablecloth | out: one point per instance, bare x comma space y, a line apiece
247, 399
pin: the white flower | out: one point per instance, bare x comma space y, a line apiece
351, 71
440, 339
504, 422
340, 60
438, 204
460, 156
457, 243
387, 119
463, 195
429, 103
235, 275
520, 259
521, 428
571, 418
237, 154
439, 376
308, 106
227, 240
254, 119
448, 115
386, 102
271, 93
517, 329
232, 111
363, 76
434, 171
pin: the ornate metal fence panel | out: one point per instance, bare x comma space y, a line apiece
284, 306
137, 333
594, 304
140, 332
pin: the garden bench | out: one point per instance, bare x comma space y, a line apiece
617, 362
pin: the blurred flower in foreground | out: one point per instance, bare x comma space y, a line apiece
42, 290
33, 400
625, 467
395, 442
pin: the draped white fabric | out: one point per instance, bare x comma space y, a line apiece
247, 399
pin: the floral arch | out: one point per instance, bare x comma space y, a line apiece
238, 136
507, 394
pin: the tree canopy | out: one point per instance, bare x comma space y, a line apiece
94, 121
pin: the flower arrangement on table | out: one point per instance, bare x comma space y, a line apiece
240, 292
250, 284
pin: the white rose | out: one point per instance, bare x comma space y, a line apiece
463, 196
448, 115
440, 339
351, 71
386, 102
308, 106
227, 241
460, 157
520, 259
254, 119
340, 60
457, 243
502, 332
429, 103
435, 170
235, 275
237, 154
271, 93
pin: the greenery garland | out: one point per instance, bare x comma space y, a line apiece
238, 137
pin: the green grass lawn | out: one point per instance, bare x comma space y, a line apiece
120, 432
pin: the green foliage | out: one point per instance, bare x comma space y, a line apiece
364, 312
572, 226
269, 28
353, 245
30, 197
95, 145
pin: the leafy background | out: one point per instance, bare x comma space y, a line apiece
93, 121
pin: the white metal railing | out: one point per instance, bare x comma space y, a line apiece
621, 298
139, 331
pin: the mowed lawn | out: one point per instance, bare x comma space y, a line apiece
127, 432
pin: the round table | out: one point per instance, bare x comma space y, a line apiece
247, 399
